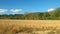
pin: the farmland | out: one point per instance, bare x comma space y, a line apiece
29, 26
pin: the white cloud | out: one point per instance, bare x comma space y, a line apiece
3, 10
51, 9
16, 10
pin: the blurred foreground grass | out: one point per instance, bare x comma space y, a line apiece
16, 29
29, 26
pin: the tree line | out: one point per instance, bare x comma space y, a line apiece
51, 15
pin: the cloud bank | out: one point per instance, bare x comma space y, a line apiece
3, 10
16, 10
12, 11
51, 9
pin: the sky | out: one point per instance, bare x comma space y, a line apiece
23, 6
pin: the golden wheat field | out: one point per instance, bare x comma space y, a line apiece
30, 26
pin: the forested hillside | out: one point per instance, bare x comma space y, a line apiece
51, 15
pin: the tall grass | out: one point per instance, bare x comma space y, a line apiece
29, 27
16, 29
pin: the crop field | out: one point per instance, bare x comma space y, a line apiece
29, 26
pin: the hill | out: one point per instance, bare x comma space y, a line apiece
51, 15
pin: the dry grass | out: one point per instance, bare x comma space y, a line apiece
15, 26
32, 23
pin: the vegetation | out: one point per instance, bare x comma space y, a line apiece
52, 15
14, 29
29, 27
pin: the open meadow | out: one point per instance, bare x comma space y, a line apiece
29, 26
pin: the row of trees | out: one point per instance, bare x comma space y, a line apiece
52, 15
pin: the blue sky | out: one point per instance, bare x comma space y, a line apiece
27, 5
